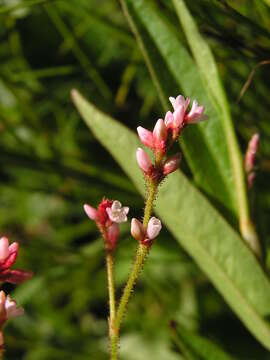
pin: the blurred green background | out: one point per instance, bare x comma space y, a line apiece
51, 165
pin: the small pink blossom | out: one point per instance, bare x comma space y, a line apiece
196, 114
8, 308
153, 228
107, 217
117, 213
179, 101
144, 161
171, 164
8, 254
137, 230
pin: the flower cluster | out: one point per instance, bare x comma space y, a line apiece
164, 134
8, 308
8, 255
107, 217
250, 159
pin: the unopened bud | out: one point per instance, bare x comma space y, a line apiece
171, 164
153, 228
143, 161
137, 230
112, 236
4, 251
90, 212
252, 149
160, 131
145, 136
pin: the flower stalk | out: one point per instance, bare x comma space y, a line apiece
141, 254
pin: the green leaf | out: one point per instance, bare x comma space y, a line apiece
196, 347
197, 226
173, 71
210, 76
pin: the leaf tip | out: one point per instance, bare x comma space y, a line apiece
74, 95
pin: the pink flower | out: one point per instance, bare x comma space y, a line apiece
179, 101
8, 309
196, 114
155, 140
144, 161
8, 255
107, 217
117, 213
171, 164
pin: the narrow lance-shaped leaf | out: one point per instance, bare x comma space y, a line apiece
203, 145
196, 347
209, 73
198, 227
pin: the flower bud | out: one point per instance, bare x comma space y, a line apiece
4, 251
145, 136
90, 212
169, 119
153, 228
160, 131
251, 152
112, 236
171, 164
137, 230
196, 114
143, 161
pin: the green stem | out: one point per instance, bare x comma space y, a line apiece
140, 257
111, 289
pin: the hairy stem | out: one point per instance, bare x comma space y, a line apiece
111, 289
139, 260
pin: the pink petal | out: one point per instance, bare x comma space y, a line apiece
15, 276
